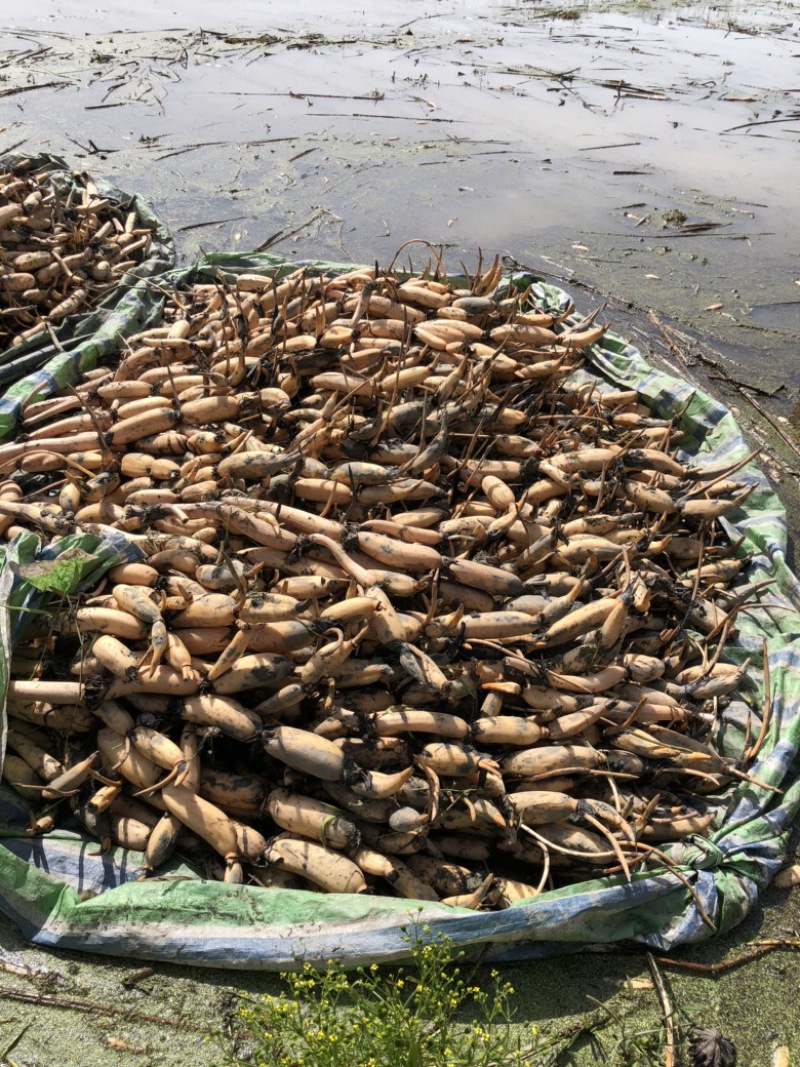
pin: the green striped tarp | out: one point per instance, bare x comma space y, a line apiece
61, 892
39, 367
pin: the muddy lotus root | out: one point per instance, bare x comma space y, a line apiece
418, 612
63, 246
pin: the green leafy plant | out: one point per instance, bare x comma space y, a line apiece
423, 1014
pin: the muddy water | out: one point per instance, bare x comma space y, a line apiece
650, 151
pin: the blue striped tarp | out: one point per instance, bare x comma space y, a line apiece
61, 892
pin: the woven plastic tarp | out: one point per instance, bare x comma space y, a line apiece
39, 367
62, 892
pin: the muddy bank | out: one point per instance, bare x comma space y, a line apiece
82, 1011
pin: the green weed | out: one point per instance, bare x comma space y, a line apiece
372, 1017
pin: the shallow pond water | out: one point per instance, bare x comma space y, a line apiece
648, 150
